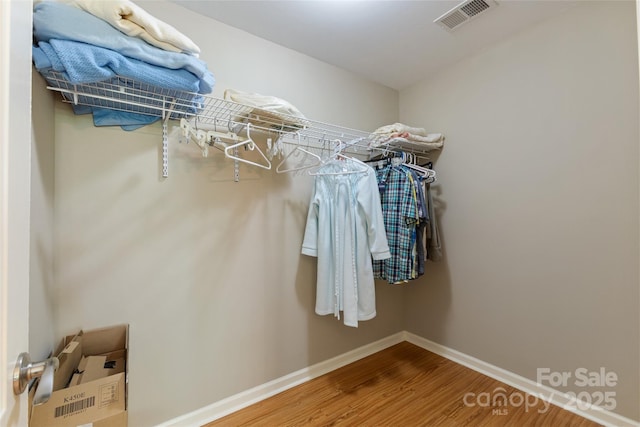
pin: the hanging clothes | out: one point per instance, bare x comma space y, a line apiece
345, 230
406, 215
423, 217
433, 246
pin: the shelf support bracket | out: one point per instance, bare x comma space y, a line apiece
236, 166
166, 115
75, 95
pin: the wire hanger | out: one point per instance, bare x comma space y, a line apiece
295, 150
251, 145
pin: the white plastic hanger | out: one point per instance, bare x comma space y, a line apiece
408, 162
339, 157
196, 135
427, 174
207, 138
318, 159
251, 145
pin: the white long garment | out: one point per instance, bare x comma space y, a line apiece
344, 230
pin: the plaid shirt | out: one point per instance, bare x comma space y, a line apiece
400, 215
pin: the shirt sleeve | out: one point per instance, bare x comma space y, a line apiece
310, 240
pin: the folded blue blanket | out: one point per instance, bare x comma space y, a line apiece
85, 63
80, 63
126, 120
108, 117
53, 20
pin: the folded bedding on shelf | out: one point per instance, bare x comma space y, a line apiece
428, 138
268, 111
76, 47
401, 142
401, 135
85, 63
53, 20
149, 85
134, 21
126, 120
107, 117
399, 128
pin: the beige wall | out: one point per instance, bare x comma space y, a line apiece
207, 272
41, 301
538, 197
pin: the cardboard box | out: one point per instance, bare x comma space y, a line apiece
90, 386
90, 368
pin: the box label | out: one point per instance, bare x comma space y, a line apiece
108, 394
73, 407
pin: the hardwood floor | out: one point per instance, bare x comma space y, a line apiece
405, 386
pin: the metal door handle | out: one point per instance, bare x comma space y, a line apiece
26, 370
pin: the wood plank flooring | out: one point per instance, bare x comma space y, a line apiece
402, 386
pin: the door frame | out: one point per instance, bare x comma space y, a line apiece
15, 192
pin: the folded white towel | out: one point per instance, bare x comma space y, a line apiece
399, 128
134, 21
269, 111
265, 102
429, 138
379, 139
400, 142
399, 135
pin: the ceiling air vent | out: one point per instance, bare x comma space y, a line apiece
463, 13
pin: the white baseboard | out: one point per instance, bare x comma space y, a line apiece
241, 400
246, 398
548, 394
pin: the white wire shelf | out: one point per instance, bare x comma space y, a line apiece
211, 114
124, 94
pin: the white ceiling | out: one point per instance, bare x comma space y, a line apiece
392, 42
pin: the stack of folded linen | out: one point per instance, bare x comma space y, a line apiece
87, 41
268, 112
401, 135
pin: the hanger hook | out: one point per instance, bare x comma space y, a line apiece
338, 147
251, 144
